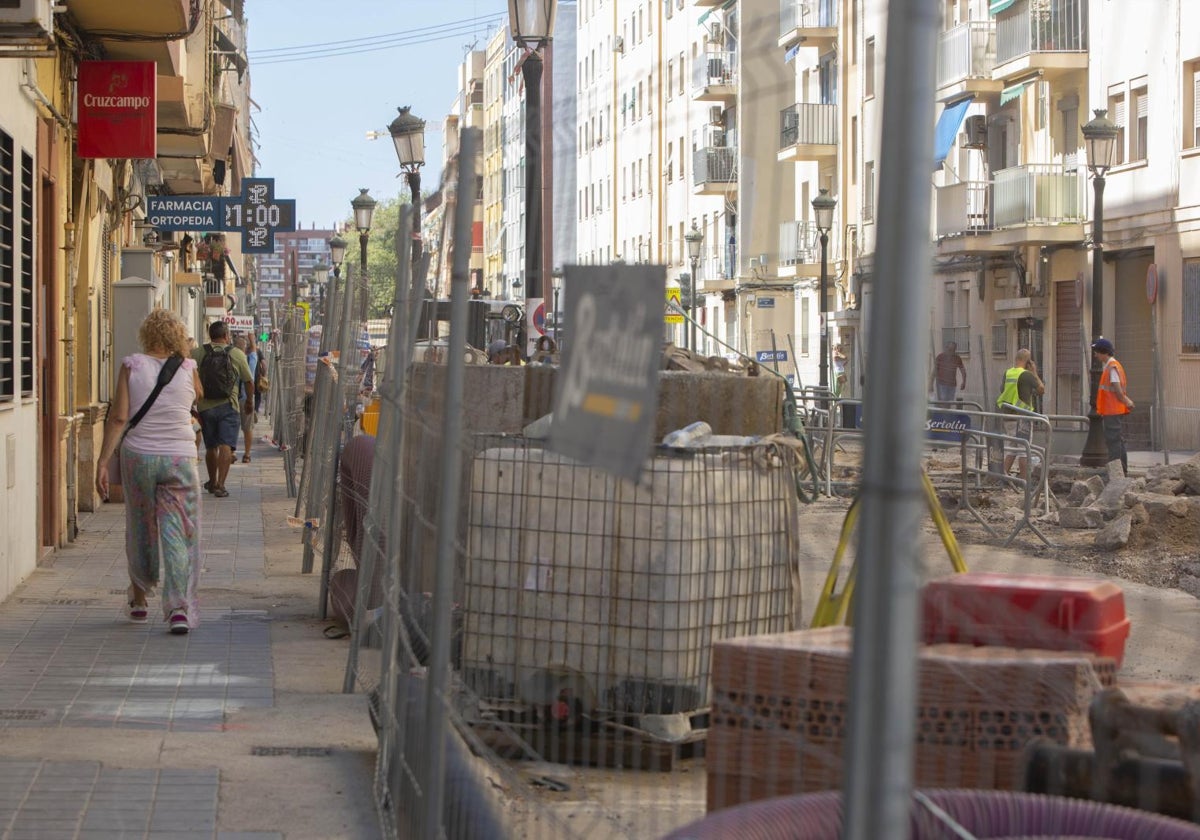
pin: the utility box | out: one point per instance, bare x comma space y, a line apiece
138, 291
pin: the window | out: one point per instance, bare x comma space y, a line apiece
670, 75
1191, 306
869, 70
854, 33
955, 320
670, 162
668, 8
999, 340
1191, 88
868, 209
1116, 113
854, 150
25, 308
1140, 139
8, 287
681, 72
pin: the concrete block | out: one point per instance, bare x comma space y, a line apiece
1116, 534
1079, 493
1095, 485
1189, 474
1080, 518
1112, 500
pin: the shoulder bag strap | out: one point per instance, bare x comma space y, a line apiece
164, 376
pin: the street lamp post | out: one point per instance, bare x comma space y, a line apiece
408, 135
823, 206
695, 241
364, 209
320, 278
1100, 134
532, 25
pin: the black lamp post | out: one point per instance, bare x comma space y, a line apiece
1100, 134
337, 253
695, 241
408, 135
532, 25
823, 206
320, 278
364, 209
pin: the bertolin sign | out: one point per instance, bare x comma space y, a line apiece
118, 109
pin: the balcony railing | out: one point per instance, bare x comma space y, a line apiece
964, 208
799, 243
714, 164
1047, 26
808, 123
1038, 194
968, 51
806, 14
714, 68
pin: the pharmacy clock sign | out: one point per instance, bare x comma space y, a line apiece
256, 214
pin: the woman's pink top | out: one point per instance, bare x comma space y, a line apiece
167, 427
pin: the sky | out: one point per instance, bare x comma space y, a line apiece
324, 74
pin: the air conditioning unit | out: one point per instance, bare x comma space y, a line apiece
716, 115
976, 131
716, 32
618, 44
26, 23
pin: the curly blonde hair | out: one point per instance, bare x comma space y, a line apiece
163, 332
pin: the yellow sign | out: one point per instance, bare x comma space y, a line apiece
674, 306
303, 306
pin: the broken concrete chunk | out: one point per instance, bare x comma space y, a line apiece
1116, 534
1080, 518
1112, 500
1079, 492
1115, 470
1095, 485
1139, 514
1189, 474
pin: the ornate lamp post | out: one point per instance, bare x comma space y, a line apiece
823, 206
408, 135
364, 209
695, 241
320, 273
532, 25
1100, 134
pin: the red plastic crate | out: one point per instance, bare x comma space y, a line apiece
1027, 611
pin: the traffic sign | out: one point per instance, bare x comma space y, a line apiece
674, 310
1152, 284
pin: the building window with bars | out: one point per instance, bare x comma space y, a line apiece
955, 316
8, 286
1191, 306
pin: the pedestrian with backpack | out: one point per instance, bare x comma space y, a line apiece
222, 369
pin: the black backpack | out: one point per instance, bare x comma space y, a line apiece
218, 377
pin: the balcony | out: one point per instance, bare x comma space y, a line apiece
799, 249
808, 131
1038, 204
714, 170
154, 19
808, 23
964, 219
1050, 36
714, 77
966, 57
714, 275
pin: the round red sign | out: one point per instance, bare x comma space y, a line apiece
1152, 283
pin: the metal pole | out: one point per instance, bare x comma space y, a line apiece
438, 689
883, 685
1095, 450
531, 72
414, 189
692, 302
823, 381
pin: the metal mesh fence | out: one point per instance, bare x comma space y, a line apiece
548, 651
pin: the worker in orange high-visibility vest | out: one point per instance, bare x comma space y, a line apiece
1112, 403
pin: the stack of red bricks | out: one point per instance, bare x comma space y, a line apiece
780, 712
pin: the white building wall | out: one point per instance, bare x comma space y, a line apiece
20, 493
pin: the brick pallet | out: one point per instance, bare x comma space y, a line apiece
780, 712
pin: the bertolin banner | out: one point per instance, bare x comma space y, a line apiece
118, 109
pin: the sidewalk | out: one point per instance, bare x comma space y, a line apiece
237, 731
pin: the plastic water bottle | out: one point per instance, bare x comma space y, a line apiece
690, 435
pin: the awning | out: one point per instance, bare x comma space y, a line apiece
1013, 91
947, 129
995, 7
727, 5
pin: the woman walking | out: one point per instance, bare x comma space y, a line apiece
150, 421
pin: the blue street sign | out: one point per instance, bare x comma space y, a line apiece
771, 356
766, 303
185, 212
256, 214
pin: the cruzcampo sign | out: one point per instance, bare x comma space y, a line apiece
607, 386
256, 214
117, 109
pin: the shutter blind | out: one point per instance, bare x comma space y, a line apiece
1143, 103
1119, 112
1196, 99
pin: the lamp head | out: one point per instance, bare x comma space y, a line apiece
337, 250
694, 239
532, 21
1100, 134
320, 273
408, 135
823, 206
364, 209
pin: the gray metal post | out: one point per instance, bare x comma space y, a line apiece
437, 690
883, 687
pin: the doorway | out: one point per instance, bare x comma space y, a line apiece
1131, 334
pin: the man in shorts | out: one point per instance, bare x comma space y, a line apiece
221, 367
1021, 386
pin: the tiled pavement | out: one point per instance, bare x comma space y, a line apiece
69, 659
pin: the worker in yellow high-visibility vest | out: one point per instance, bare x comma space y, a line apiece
1021, 385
